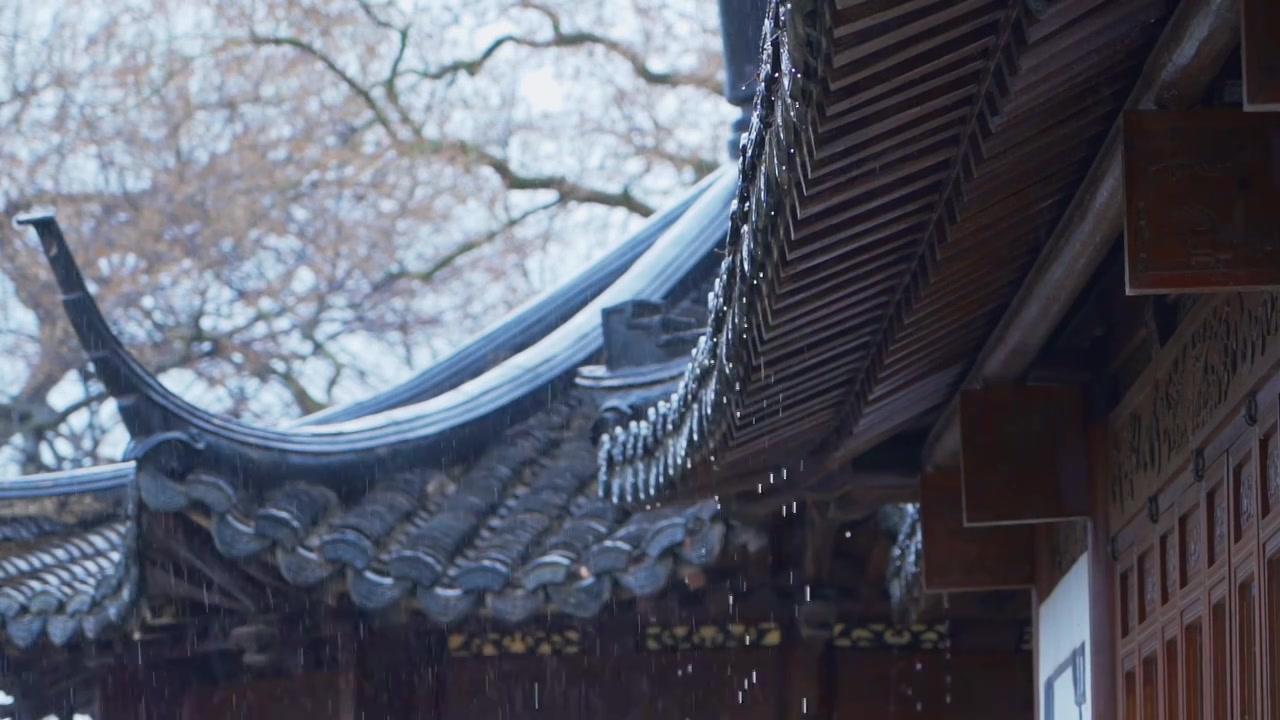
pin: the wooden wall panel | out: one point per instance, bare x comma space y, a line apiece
1201, 210
1260, 52
810, 682
1227, 347
1024, 454
959, 558
1102, 629
397, 674
1197, 590
310, 696
653, 686
133, 692
872, 686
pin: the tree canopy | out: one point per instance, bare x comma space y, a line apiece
283, 204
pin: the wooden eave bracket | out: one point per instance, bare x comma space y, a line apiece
1024, 454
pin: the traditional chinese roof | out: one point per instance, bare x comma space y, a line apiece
903, 165
470, 487
67, 565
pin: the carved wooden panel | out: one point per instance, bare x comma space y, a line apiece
1148, 585
1243, 478
1218, 612
1269, 471
958, 558
1024, 454
1168, 566
1216, 505
1201, 210
913, 685
1191, 536
622, 687
1260, 53
1205, 372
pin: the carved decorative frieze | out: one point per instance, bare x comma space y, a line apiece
844, 635
531, 642
840, 635
875, 636
712, 636
1212, 362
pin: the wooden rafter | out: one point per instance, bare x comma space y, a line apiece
1196, 42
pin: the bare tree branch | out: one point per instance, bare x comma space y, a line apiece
568, 190
450, 258
280, 204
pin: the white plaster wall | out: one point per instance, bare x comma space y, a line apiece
1063, 625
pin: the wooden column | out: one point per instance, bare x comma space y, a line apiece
1202, 199
1024, 456
959, 558
1260, 53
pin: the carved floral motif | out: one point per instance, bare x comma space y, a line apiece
1245, 499
1149, 586
1192, 541
1207, 369
1219, 528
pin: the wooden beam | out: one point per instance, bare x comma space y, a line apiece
1202, 201
959, 558
1260, 54
1024, 454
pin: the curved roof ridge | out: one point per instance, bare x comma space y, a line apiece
157, 417
519, 329
68, 482
658, 444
